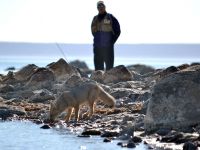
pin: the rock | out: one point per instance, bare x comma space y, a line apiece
41, 96
79, 64
91, 132
41, 78
45, 127
107, 140
24, 73
174, 102
9, 78
168, 71
9, 111
136, 139
6, 88
131, 145
84, 136
141, 69
62, 70
110, 134
189, 146
183, 66
114, 75
97, 76
117, 74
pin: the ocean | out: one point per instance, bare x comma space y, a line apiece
41, 54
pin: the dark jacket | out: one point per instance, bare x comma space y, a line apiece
106, 30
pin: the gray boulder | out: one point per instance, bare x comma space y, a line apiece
24, 73
175, 101
41, 78
62, 70
41, 96
114, 75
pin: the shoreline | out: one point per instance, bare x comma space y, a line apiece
28, 93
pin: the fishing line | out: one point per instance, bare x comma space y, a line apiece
61, 51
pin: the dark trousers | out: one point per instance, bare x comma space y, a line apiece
104, 55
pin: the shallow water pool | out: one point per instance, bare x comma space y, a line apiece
25, 135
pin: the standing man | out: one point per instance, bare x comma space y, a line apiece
106, 30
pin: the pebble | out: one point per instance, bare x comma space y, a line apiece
45, 127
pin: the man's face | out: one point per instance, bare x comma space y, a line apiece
101, 8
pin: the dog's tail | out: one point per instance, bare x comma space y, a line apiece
106, 97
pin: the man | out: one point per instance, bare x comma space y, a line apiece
106, 30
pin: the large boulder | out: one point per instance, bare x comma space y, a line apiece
175, 101
24, 73
41, 78
114, 75
62, 69
141, 69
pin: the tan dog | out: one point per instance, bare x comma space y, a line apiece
86, 93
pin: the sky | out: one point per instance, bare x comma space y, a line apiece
69, 21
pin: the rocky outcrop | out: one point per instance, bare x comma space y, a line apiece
114, 75
62, 70
175, 101
41, 78
24, 73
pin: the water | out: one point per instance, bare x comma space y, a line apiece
156, 55
19, 135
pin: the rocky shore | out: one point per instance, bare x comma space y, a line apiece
158, 107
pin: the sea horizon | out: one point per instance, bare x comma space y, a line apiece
19, 54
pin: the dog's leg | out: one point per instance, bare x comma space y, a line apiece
69, 113
77, 113
91, 104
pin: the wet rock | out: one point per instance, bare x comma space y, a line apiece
174, 102
41, 78
62, 70
91, 132
189, 146
45, 127
41, 96
163, 131
9, 111
107, 140
131, 145
136, 139
84, 136
168, 71
110, 134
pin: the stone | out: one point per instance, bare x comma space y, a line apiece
41, 96
62, 70
9, 111
41, 78
141, 69
189, 146
45, 127
24, 73
174, 102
